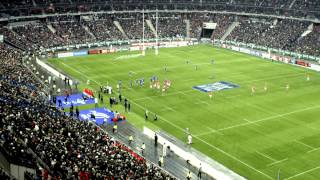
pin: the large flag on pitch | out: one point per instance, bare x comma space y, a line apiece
87, 92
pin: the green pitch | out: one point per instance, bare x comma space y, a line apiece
253, 135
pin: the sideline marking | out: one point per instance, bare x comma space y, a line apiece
266, 156
304, 172
277, 162
299, 142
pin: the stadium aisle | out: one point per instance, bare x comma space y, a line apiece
172, 163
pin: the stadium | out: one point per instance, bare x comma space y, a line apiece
160, 89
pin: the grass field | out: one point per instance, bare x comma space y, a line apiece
253, 135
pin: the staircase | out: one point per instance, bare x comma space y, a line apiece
187, 21
51, 28
229, 30
152, 28
305, 33
292, 3
86, 28
34, 3
117, 24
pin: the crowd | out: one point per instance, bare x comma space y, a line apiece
299, 8
278, 34
66, 30
71, 148
133, 26
103, 28
309, 44
4, 175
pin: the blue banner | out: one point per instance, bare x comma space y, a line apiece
75, 99
98, 115
80, 53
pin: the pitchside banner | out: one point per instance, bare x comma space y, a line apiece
65, 54
80, 53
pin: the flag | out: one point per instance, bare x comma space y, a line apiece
87, 92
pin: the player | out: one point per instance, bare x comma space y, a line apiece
187, 131
287, 87
189, 139
88, 82
210, 94
253, 90
308, 77
265, 88
163, 90
158, 85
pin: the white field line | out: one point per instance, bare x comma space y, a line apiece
304, 144
181, 92
201, 102
315, 149
277, 162
215, 131
203, 141
250, 122
266, 156
270, 112
304, 172
261, 120
168, 108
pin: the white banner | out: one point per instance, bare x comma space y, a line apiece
208, 25
66, 54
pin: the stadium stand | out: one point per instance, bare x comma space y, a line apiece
70, 148
297, 8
